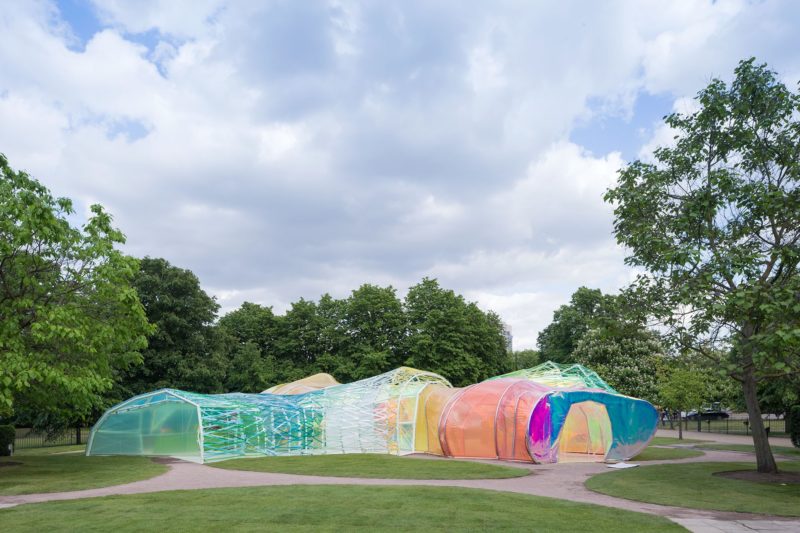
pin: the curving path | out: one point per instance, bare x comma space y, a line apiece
564, 481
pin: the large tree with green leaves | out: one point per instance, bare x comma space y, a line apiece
69, 317
715, 221
373, 329
571, 321
249, 336
631, 363
450, 336
184, 351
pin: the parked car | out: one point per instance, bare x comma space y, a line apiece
712, 412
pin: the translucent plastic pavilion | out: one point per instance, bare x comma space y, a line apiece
547, 414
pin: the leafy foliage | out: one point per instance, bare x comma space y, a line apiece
69, 317
570, 322
184, 350
631, 364
681, 390
794, 434
525, 359
7, 436
451, 337
715, 221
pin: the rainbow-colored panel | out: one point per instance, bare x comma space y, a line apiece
549, 413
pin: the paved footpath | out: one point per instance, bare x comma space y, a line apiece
564, 481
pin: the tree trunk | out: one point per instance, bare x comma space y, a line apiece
680, 425
764, 459
671, 417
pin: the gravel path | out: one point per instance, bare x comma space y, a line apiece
564, 481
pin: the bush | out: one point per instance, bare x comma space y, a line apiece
7, 435
794, 423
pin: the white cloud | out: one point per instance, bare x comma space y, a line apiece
283, 150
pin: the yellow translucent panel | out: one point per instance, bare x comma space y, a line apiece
586, 432
432, 400
307, 384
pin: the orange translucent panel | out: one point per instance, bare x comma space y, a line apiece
513, 416
490, 419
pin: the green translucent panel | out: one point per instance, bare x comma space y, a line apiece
376, 415
561, 376
161, 425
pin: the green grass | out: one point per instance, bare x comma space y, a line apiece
782, 450
661, 454
668, 441
693, 485
374, 466
52, 450
51, 470
327, 508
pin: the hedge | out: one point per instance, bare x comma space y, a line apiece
7, 435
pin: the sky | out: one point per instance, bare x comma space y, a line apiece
284, 149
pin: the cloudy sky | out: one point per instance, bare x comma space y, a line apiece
282, 149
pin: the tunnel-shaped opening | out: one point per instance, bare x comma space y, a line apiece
586, 433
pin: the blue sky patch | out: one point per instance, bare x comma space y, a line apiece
606, 133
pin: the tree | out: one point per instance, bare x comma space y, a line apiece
251, 323
69, 317
570, 322
374, 331
629, 363
300, 344
681, 390
715, 222
525, 359
249, 338
778, 395
184, 351
454, 338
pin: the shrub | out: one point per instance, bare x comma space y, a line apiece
794, 423
7, 435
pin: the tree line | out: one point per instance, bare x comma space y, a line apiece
83, 326
251, 348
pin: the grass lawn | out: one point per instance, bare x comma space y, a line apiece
374, 466
52, 450
327, 508
659, 454
52, 470
782, 450
693, 485
669, 441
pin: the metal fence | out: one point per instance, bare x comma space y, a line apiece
28, 438
735, 426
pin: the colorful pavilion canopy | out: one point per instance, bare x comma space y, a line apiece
548, 413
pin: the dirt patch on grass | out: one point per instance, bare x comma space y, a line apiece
9, 463
166, 460
757, 477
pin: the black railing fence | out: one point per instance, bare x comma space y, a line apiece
28, 438
776, 427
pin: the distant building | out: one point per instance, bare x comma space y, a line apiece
509, 338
